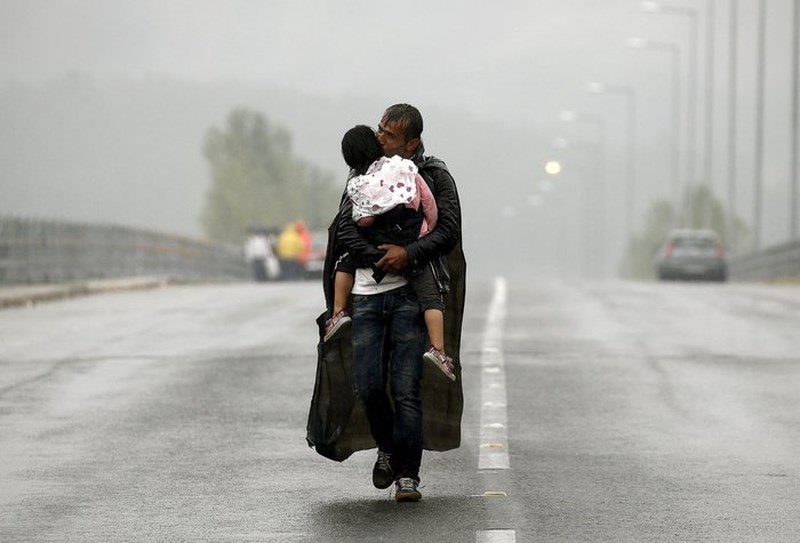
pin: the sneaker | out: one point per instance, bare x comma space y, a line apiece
335, 323
442, 361
382, 474
406, 490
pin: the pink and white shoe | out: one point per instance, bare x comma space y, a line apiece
335, 324
442, 361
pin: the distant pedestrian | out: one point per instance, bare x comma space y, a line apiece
290, 249
257, 251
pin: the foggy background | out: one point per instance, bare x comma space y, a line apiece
104, 107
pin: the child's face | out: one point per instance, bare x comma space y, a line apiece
391, 136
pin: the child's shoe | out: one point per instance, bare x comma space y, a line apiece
442, 361
335, 324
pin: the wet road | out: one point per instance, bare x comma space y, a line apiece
620, 411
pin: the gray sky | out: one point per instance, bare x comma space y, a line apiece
517, 62
498, 54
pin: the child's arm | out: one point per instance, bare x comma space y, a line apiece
366, 221
428, 202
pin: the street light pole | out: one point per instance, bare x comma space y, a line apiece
732, 129
630, 102
582, 202
675, 52
795, 122
759, 143
691, 100
708, 155
600, 125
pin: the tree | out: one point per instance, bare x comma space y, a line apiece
699, 205
257, 180
638, 261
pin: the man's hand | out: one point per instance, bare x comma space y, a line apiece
395, 259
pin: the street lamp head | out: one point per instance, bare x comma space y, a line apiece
637, 43
649, 6
561, 143
595, 87
567, 116
509, 212
553, 167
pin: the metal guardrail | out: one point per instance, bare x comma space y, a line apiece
34, 251
42, 251
776, 263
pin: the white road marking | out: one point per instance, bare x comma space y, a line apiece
495, 536
493, 436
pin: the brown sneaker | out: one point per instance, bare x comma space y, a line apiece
442, 361
406, 490
335, 324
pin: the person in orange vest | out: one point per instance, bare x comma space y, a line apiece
305, 237
290, 250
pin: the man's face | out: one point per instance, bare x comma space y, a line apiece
391, 136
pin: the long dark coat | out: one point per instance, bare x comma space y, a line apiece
337, 426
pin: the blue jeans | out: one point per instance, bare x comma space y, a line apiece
390, 326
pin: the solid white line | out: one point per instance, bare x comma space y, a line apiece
495, 536
494, 438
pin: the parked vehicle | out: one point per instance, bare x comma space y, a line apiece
692, 254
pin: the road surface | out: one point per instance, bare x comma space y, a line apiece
594, 412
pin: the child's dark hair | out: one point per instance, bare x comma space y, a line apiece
360, 148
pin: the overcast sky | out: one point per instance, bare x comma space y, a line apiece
516, 61
489, 56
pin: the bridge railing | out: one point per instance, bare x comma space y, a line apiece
44, 251
779, 262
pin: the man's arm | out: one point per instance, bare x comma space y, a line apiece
442, 239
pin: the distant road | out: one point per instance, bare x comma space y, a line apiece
625, 411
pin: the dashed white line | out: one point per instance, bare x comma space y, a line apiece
496, 536
493, 436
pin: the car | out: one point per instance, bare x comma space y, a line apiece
316, 258
692, 255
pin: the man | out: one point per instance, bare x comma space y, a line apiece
389, 335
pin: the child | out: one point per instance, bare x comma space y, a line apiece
382, 185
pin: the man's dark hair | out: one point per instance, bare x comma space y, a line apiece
360, 148
406, 116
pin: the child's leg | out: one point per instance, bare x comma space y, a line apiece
433, 304
342, 285
428, 293
434, 320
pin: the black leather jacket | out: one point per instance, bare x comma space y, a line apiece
447, 234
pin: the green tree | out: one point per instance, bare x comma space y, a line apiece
257, 180
638, 261
698, 206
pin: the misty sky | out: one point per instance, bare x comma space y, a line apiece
488, 57
517, 62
